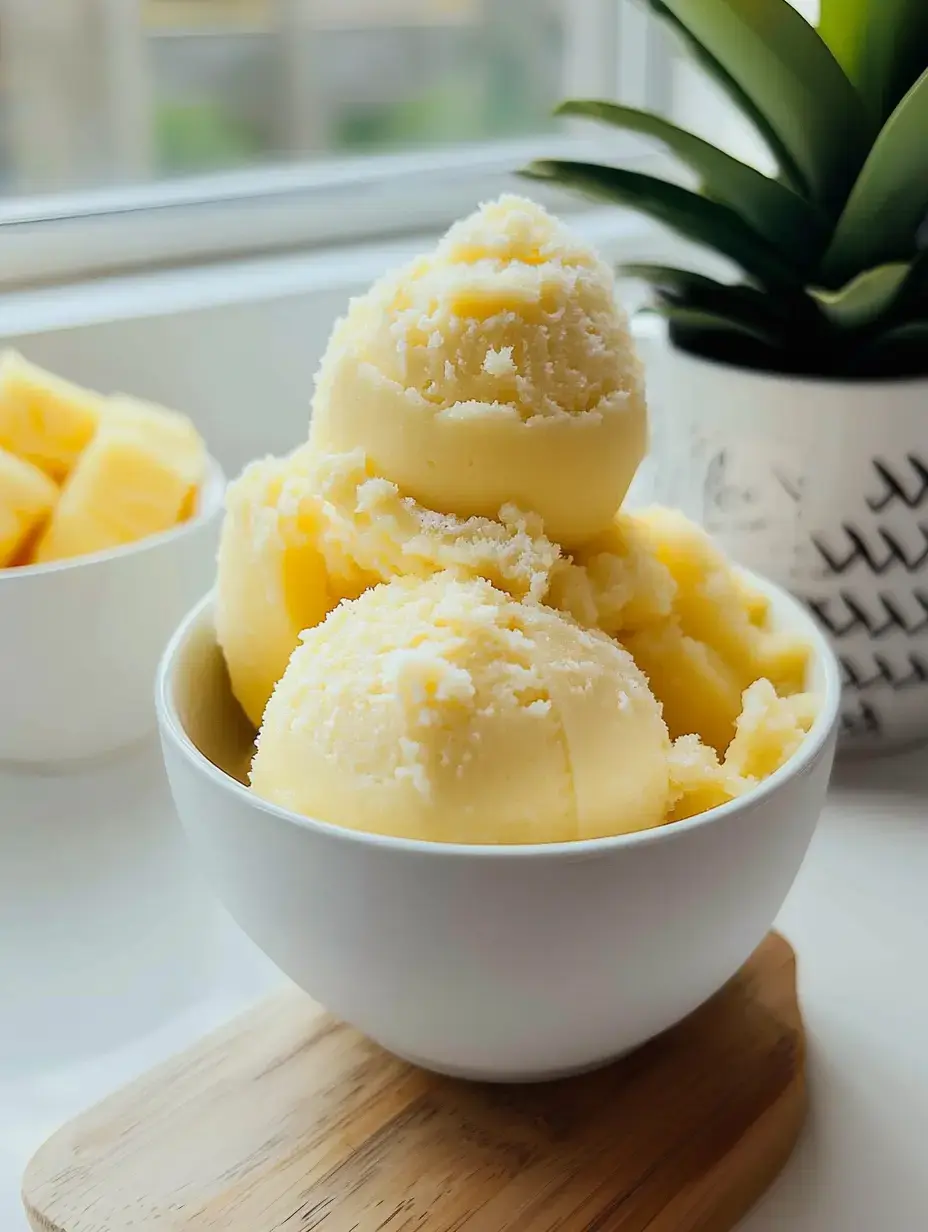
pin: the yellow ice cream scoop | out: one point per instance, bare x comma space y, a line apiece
368, 528
271, 581
768, 731
444, 710
305, 531
497, 369
614, 581
714, 607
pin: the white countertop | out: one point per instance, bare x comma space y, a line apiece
113, 956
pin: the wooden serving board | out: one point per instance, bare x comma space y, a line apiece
287, 1119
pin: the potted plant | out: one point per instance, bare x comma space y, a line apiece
791, 399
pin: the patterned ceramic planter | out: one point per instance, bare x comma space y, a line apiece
823, 487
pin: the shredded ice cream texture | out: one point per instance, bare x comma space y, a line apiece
498, 369
303, 532
448, 626
768, 731
368, 525
445, 710
271, 580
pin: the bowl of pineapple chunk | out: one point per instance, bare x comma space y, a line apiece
109, 519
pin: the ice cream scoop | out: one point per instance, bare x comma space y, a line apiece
496, 370
304, 531
445, 710
615, 581
271, 580
517, 651
497, 963
369, 530
712, 606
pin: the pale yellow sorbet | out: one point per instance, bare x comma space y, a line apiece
715, 607
768, 731
436, 610
444, 710
499, 369
304, 531
271, 580
614, 582
369, 529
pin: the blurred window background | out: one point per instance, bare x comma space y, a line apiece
104, 91
109, 107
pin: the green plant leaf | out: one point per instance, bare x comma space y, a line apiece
689, 214
781, 64
789, 169
890, 198
901, 351
713, 322
912, 331
704, 322
777, 213
843, 24
887, 296
736, 301
882, 45
912, 300
720, 340
865, 298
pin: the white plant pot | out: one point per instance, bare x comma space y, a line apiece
823, 487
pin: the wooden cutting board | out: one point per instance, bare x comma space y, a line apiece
287, 1119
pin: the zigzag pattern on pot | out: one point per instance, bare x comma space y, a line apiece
877, 561
894, 489
859, 678
854, 617
863, 720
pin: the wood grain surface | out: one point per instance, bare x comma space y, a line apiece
287, 1119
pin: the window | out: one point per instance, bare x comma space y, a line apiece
167, 131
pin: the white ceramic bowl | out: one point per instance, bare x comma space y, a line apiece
495, 963
81, 639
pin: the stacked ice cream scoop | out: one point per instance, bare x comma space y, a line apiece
436, 611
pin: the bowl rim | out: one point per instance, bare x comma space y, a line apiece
808, 752
212, 491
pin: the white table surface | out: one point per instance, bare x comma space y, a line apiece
113, 956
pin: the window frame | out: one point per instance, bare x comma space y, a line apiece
615, 51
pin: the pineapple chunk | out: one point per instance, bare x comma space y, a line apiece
167, 432
698, 690
43, 419
136, 478
27, 497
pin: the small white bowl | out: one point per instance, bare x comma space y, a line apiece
81, 639
493, 963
